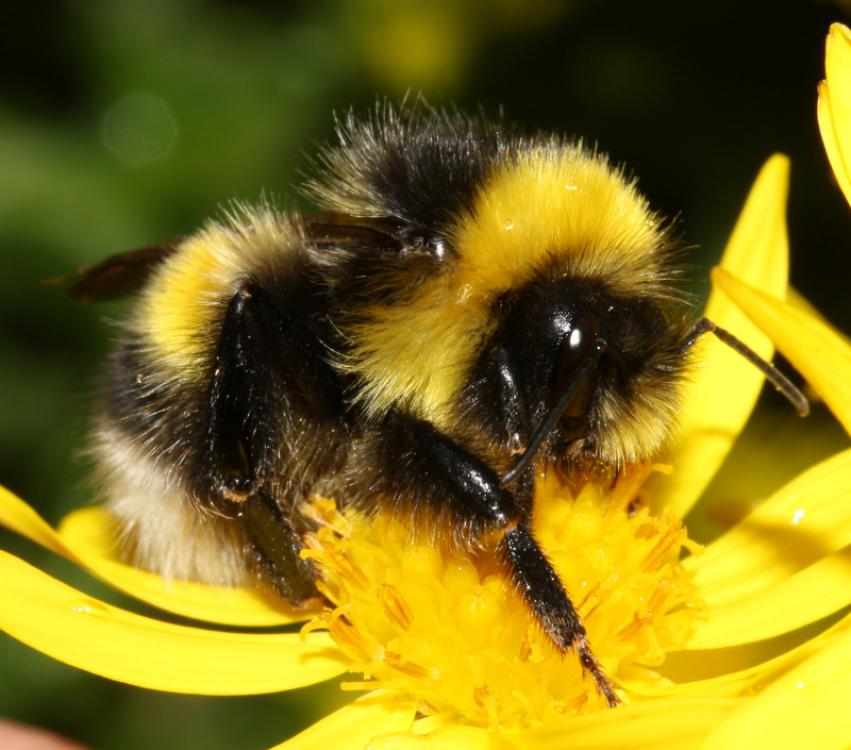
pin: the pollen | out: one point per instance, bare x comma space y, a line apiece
447, 627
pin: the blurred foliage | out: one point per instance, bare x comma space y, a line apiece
125, 122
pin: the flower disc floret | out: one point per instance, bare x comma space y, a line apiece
449, 628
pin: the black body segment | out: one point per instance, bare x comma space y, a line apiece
422, 171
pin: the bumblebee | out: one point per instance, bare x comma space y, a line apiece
470, 305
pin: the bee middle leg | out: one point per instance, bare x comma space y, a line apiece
413, 459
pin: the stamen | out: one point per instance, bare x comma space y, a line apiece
395, 606
395, 661
663, 547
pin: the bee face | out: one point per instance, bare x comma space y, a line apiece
547, 333
471, 304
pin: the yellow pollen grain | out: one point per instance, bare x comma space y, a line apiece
448, 628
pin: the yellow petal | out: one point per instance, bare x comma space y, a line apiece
801, 303
354, 726
834, 105
734, 670
814, 592
665, 724
84, 632
804, 521
451, 737
814, 349
86, 537
89, 534
722, 388
806, 707
19, 517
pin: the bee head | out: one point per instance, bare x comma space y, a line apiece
594, 373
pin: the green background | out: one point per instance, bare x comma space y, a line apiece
125, 123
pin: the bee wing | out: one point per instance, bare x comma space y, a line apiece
342, 230
126, 273
117, 276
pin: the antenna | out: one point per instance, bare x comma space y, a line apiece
782, 384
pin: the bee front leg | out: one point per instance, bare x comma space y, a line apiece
415, 460
545, 594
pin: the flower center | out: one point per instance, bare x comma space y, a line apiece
447, 627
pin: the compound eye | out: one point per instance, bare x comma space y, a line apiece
578, 344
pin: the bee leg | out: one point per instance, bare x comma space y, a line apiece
236, 463
474, 487
543, 591
277, 547
239, 424
507, 397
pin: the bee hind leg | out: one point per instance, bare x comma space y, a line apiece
235, 467
276, 547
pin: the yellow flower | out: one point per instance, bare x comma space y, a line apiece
444, 648
452, 633
834, 105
